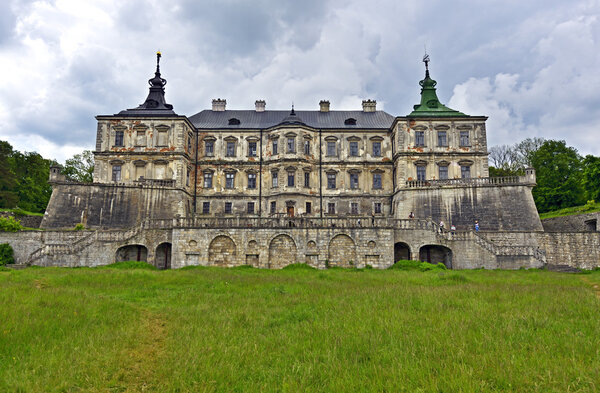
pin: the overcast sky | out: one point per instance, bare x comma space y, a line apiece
533, 67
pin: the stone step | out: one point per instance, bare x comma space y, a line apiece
563, 269
16, 266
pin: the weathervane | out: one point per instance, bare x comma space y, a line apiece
426, 60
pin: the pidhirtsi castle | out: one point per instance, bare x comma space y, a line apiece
324, 187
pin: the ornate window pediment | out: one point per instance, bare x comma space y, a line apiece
443, 163
353, 138
139, 163
464, 127
376, 138
331, 138
420, 163
466, 162
442, 127
419, 128
162, 127
230, 138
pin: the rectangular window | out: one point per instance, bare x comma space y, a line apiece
354, 208
376, 149
209, 148
331, 180
443, 172
291, 180
354, 181
274, 179
307, 147
273, 207
118, 138
187, 177
377, 181
331, 149
306, 179
442, 139
251, 180
465, 171
229, 180
208, 179
291, 145
308, 208
228, 207
275, 147
419, 138
331, 208
140, 139
353, 149
421, 173
116, 173
464, 138
205, 207
250, 207
252, 149
230, 149
377, 208
189, 142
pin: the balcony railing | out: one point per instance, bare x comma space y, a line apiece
506, 180
288, 222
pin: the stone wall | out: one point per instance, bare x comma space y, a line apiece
319, 247
506, 208
26, 221
112, 205
575, 249
574, 223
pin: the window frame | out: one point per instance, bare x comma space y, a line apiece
209, 152
117, 170
442, 138
331, 148
376, 152
377, 184
354, 181
421, 172
252, 148
207, 176
228, 208
353, 148
250, 208
331, 181
419, 138
230, 152
291, 145
251, 181
229, 176
119, 138
205, 207
291, 179
464, 139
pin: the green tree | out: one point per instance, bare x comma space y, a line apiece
558, 169
591, 178
8, 179
80, 167
32, 171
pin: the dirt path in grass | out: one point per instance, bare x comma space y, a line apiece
595, 287
142, 359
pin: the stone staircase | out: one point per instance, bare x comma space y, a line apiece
74, 247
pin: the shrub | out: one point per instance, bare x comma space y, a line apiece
417, 265
6, 254
9, 224
79, 227
130, 265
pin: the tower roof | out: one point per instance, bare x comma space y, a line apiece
292, 118
430, 105
155, 104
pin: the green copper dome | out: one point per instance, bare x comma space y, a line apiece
430, 105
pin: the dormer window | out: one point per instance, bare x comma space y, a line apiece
234, 122
350, 121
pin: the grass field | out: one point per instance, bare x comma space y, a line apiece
298, 330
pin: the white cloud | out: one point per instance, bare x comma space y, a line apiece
531, 69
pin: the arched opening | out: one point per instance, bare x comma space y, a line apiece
222, 251
436, 254
163, 256
342, 251
401, 251
282, 251
133, 252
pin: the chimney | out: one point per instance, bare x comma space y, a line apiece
218, 105
259, 105
369, 105
324, 106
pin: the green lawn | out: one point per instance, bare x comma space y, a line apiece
298, 330
569, 211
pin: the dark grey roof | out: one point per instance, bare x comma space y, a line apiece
209, 119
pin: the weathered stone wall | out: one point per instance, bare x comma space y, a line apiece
26, 221
318, 247
506, 208
574, 223
112, 205
580, 250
